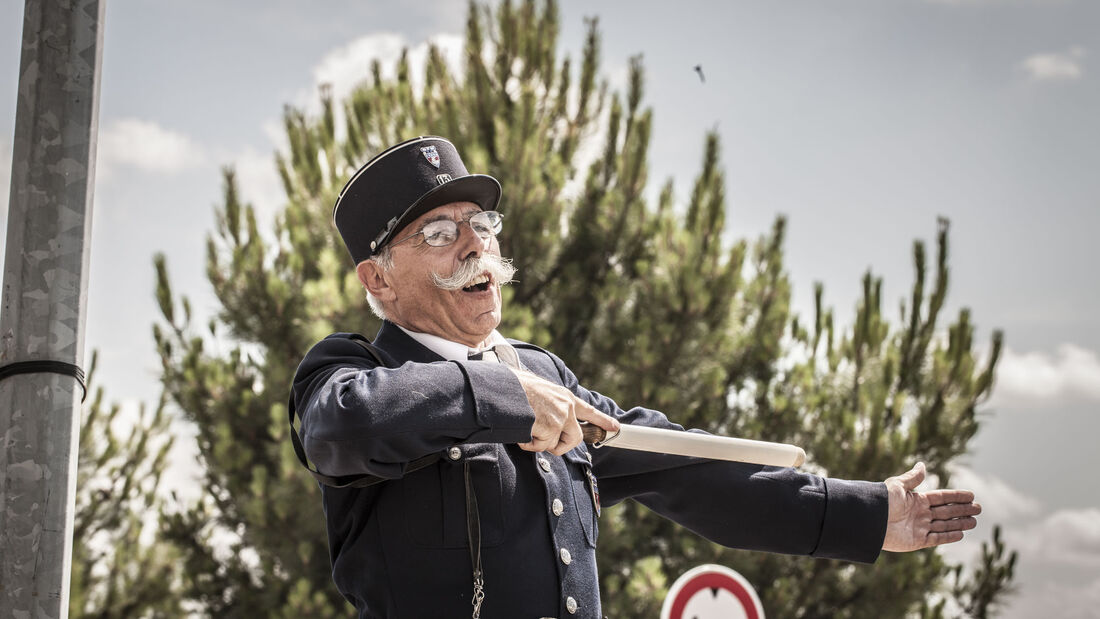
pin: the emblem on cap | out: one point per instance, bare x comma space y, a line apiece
431, 154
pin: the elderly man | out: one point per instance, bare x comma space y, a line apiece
455, 481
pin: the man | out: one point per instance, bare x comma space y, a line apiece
489, 501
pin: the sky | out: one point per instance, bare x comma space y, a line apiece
861, 121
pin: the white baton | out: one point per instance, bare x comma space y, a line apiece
681, 443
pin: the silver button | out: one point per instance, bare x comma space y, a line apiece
557, 507
454, 453
571, 605
566, 558
545, 464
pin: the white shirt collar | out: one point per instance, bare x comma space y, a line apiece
452, 351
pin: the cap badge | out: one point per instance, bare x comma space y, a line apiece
431, 154
442, 178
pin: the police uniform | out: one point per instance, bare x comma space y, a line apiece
402, 548
399, 549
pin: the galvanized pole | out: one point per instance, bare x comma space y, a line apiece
44, 301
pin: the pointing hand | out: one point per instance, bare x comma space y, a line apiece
557, 412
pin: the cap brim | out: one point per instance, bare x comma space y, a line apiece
480, 189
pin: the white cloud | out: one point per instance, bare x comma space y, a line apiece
145, 145
1050, 545
1053, 598
1001, 504
1055, 66
995, 495
347, 67
1071, 373
1069, 537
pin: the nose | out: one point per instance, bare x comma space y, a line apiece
470, 244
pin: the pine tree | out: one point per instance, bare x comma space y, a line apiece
646, 303
120, 570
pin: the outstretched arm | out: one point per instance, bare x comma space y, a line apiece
923, 519
734, 504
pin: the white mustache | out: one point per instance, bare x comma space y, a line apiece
499, 269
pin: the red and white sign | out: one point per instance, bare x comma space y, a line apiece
712, 592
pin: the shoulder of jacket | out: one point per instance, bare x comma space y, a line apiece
339, 345
526, 345
346, 336
520, 345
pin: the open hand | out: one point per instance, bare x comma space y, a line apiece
923, 519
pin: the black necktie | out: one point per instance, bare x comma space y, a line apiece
485, 355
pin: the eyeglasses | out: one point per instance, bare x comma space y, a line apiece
443, 232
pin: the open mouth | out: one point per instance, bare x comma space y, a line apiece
480, 284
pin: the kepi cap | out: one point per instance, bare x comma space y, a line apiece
402, 183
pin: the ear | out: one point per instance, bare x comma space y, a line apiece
373, 279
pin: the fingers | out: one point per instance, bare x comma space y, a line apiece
557, 411
587, 413
913, 477
956, 524
955, 510
949, 520
547, 433
944, 497
570, 437
935, 539
556, 441
954, 517
540, 441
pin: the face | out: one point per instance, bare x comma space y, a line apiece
412, 299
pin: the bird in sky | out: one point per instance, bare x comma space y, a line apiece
699, 70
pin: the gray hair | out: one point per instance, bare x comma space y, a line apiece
384, 260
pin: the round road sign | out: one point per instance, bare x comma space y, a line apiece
712, 592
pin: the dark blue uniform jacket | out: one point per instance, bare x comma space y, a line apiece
399, 548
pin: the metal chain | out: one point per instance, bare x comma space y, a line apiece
479, 594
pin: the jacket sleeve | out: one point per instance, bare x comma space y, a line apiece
739, 505
357, 417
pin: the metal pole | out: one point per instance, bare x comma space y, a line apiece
44, 301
